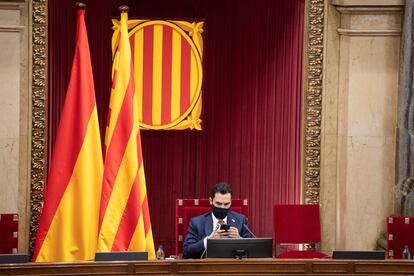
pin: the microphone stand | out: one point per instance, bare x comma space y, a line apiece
248, 229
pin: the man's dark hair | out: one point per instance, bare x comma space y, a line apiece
222, 188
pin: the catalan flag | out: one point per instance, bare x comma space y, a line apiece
168, 73
124, 215
68, 226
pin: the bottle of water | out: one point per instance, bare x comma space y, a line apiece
160, 253
406, 254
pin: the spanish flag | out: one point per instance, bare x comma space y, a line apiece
124, 219
68, 226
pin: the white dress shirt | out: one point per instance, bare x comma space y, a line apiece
215, 223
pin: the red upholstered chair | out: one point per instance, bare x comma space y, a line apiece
8, 233
294, 225
400, 232
189, 208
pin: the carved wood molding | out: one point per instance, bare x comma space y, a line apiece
39, 114
314, 50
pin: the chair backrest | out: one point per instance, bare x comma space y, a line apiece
188, 208
296, 223
400, 232
9, 224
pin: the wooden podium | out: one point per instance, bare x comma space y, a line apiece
217, 267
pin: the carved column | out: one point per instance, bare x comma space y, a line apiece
359, 121
404, 203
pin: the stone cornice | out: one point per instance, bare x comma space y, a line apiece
18, 5
368, 3
8, 29
352, 32
369, 17
369, 9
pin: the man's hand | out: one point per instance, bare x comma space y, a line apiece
219, 234
231, 233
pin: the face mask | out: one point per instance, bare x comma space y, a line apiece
219, 213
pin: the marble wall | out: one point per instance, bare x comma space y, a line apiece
359, 121
14, 106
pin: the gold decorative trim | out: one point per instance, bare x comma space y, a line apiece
39, 115
314, 50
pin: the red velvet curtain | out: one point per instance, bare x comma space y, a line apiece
252, 96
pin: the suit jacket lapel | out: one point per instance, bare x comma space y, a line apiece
208, 226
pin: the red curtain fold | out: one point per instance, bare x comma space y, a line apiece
252, 95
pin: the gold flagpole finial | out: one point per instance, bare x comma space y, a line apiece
80, 5
123, 8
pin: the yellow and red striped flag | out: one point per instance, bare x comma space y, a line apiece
124, 219
168, 73
68, 226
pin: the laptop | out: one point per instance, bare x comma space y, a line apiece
121, 256
359, 255
14, 258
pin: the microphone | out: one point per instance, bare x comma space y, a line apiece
248, 229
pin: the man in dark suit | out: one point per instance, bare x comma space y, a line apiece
207, 225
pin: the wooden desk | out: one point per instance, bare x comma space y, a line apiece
216, 267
